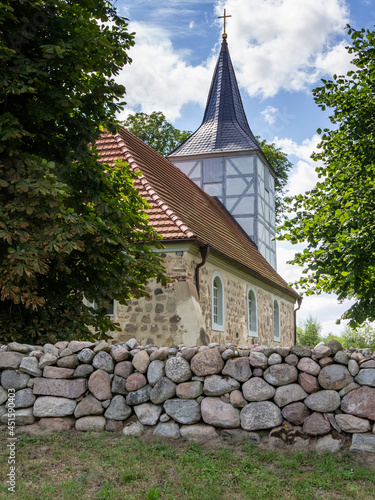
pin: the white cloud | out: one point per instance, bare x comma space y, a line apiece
285, 44
269, 114
160, 78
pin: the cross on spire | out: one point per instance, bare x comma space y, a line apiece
224, 35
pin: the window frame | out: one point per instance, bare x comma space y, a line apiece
220, 303
276, 324
251, 332
94, 305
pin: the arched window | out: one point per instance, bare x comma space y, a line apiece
252, 315
276, 320
217, 302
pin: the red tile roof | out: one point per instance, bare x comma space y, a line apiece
182, 210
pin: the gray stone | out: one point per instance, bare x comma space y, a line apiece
198, 432
216, 412
114, 425
132, 343
309, 366
95, 424
237, 400
323, 401
348, 388
258, 360
352, 424
3, 410
124, 369
79, 345
135, 429
208, 362
68, 362
161, 355
64, 353
292, 359
83, 371
295, 413
51, 349
88, 406
189, 390
155, 371
334, 377
3, 395
15, 346
119, 354
316, 425
239, 369
47, 360
263, 415
274, 359
368, 364
288, 394
164, 418
56, 372
118, 386
103, 361
341, 357
23, 416
360, 402
9, 360
30, 366
140, 396
328, 444
239, 436
86, 356
227, 354
366, 377
10, 379
51, 406
169, 430
163, 390
100, 385
283, 374
141, 361
178, 370
215, 385
106, 403
118, 409
103, 346
184, 411
283, 351
353, 367
363, 443
135, 381
335, 346
148, 413
257, 389
301, 351
71, 389
56, 424
321, 351
23, 399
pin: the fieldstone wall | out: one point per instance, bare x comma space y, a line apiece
175, 313
277, 396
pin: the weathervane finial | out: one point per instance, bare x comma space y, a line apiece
224, 35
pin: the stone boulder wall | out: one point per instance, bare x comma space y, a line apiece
276, 396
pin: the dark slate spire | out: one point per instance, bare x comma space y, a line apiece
224, 127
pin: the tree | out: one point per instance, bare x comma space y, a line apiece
281, 164
310, 332
71, 228
336, 219
155, 131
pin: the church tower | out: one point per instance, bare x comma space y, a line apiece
225, 160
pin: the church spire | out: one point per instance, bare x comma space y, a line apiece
224, 127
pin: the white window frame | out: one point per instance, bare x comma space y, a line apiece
95, 306
254, 311
276, 321
217, 304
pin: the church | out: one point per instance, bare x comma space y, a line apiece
212, 200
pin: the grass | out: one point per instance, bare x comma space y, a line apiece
107, 466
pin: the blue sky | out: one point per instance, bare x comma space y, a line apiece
280, 50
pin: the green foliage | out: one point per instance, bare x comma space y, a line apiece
337, 218
310, 332
360, 337
155, 131
281, 164
70, 228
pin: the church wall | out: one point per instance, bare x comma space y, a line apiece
174, 314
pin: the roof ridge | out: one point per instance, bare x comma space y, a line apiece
151, 191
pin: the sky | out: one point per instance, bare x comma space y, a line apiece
280, 49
